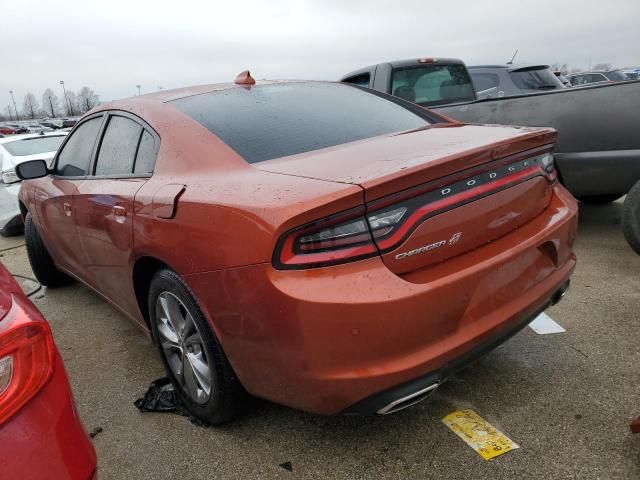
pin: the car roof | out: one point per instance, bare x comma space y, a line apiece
164, 96
512, 68
24, 136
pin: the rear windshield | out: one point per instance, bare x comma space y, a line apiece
432, 84
272, 121
535, 78
34, 146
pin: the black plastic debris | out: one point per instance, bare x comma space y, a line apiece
287, 466
162, 397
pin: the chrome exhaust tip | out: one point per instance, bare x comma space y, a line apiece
559, 295
408, 400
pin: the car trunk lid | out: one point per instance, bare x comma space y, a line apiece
438, 192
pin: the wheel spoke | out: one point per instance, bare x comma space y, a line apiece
172, 312
198, 364
189, 327
190, 381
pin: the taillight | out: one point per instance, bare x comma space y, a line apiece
360, 233
26, 358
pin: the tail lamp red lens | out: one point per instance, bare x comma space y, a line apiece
26, 358
381, 226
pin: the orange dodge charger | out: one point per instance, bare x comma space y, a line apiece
319, 245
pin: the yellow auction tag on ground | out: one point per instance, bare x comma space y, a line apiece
479, 434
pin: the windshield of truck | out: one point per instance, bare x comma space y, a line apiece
433, 84
535, 78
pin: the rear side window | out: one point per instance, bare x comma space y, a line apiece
118, 147
362, 80
75, 156
278, 120
485, 81
535, 78
432, 84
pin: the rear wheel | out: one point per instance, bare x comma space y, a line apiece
631, 218
599, 199
41, 263
192, 355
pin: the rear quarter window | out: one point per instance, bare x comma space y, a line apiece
277, 120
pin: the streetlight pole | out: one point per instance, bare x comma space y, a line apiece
67, 101
14, 105
51, 105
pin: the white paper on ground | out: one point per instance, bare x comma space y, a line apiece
543, 324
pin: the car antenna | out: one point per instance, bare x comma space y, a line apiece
244, 78
513, 58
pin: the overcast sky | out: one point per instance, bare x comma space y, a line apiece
113, 45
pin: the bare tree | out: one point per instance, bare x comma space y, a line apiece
87, 99
602, 66
72, 102
50, 104
8, 113
30, 106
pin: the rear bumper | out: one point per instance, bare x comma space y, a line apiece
45, 439
324, 340
410, 393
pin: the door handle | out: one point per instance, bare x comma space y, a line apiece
67, 209
120, 213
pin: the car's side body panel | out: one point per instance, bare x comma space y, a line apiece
104, 211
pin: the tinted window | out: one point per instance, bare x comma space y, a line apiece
118, 148
616, 76
34, 146
484, 81
362, 80
596, 77
75, 157
535, 78
432, 84
146, 157
270, 121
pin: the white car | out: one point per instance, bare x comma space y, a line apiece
20, 148
17, 149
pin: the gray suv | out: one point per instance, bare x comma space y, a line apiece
494, 81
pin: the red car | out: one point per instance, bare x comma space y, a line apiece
6, 130
40, 432
316, 244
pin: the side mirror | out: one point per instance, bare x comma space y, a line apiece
32, 169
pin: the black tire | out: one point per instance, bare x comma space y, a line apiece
227, 397
631, 218
13, 227
41, 263
599, 199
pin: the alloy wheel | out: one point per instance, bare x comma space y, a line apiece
183, 347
